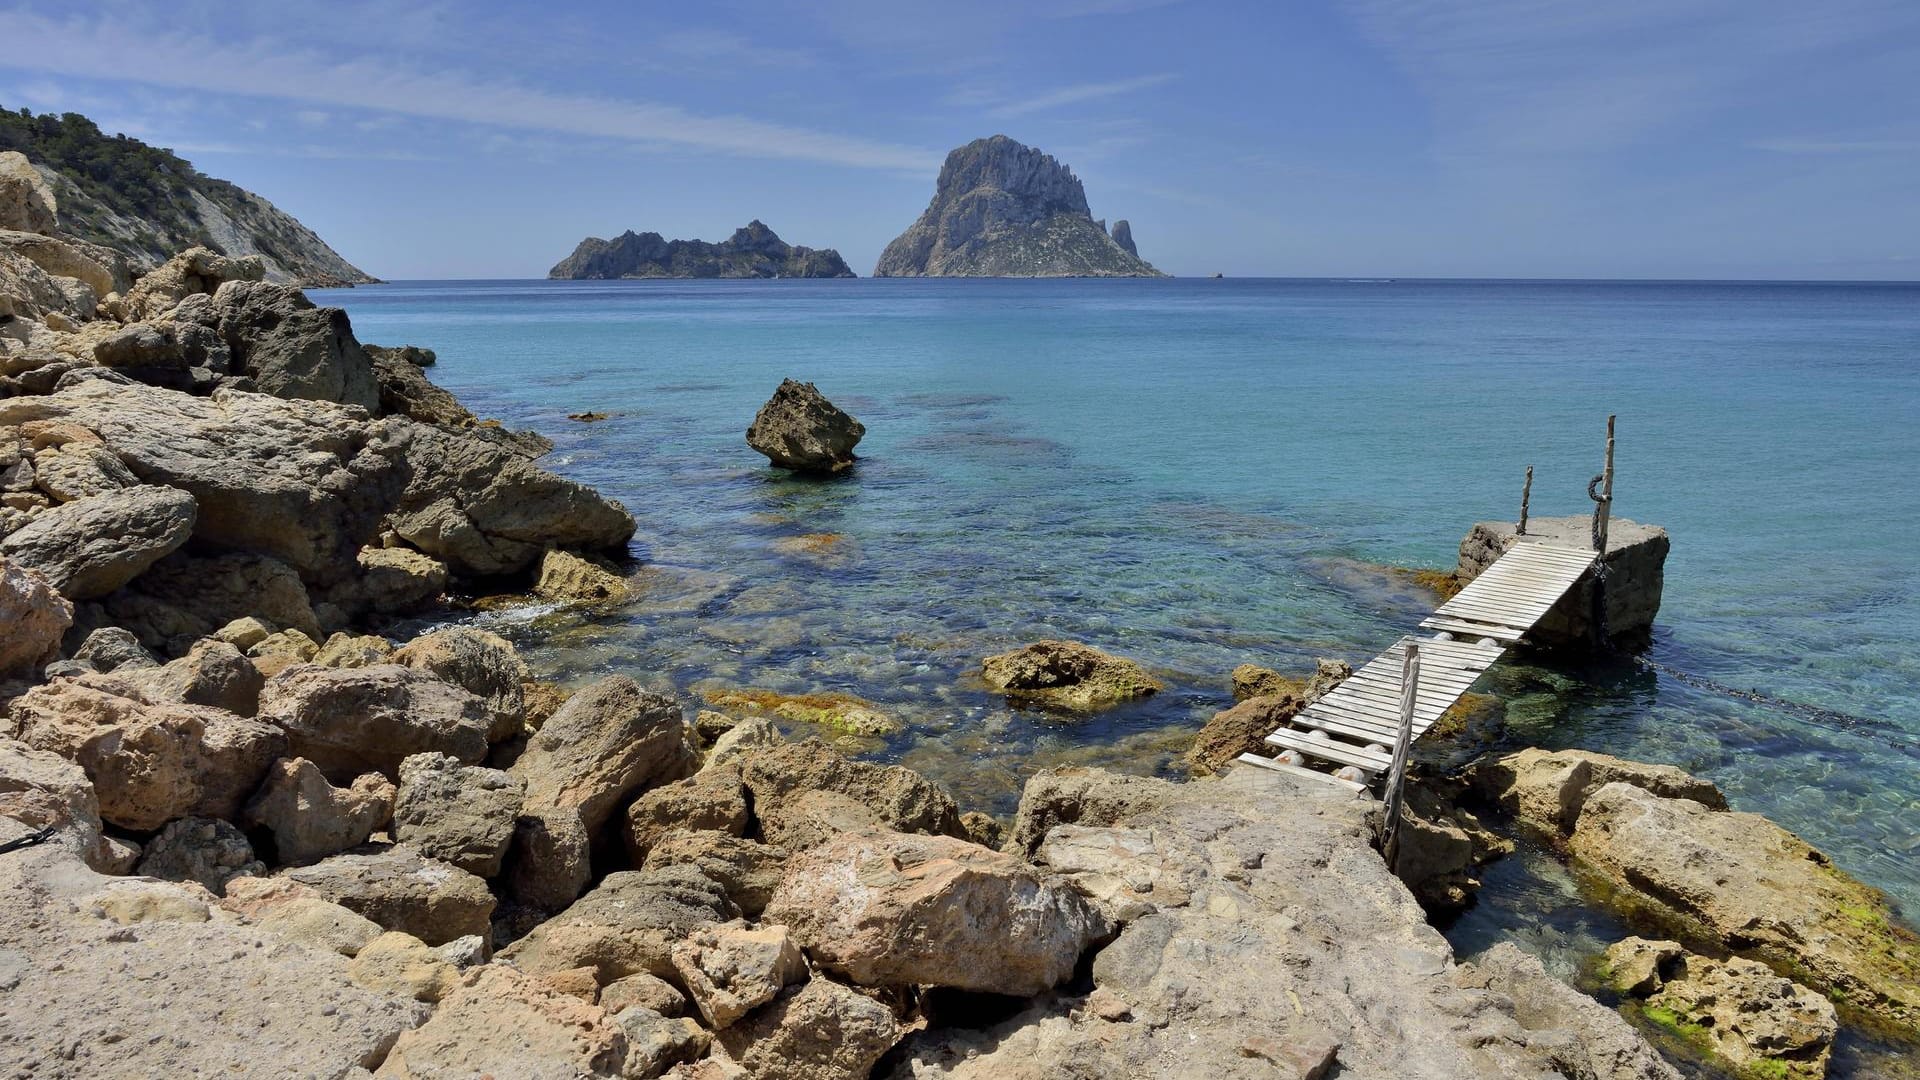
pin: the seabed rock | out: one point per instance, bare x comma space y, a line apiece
1068, 675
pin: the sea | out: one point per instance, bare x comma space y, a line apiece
1201, 473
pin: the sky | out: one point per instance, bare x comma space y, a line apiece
1318, 138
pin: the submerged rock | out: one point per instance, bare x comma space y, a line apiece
1546, 790
799, 429
842, 714
1735, 1009
577, 579
1068, 675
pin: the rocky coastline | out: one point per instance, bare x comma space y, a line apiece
244, 832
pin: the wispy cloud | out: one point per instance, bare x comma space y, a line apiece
1837, 146
117, 50
1074, 95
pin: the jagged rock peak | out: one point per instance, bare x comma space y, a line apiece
753, 251
1003, 209
1123, 235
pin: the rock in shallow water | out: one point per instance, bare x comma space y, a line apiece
1068, 675
799, 429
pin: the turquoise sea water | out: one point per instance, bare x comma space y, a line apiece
1197, 474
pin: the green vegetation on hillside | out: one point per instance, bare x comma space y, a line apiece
117, 173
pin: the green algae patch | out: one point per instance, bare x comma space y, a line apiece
843, 714
1068, 675
1444, 584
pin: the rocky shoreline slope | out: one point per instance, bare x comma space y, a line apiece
241, 833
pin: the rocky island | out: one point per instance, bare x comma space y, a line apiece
751, 252
1002, 209
148, 204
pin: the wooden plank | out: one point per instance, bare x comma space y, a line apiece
1331, 750
1505, 614
1364, 710
1470, 622
1283, 768
1382, 698
1358, 732
1502, 590
1478, 630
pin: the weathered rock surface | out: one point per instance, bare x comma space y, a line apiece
193, 272
819, 1031
549, 859
898, 798
112, 648
628, 924
206, 851
566, 576
894, 909
1547, 789
1001, 209
36, 617
1759, 889
26, 203
751, 252
402, 964
478, 662
799, 429
733, 969
212, 673
109, 977
1277, 945
1070, 795
606, 743
656, 1042
1735, 1009
712, 799
644, 991
477, 502
313, 921
94, 545
406, 391
460, 814
310, 819
747, 871
185, 597
41, 789
303, 482
500, 1023
354, 720
1605, 1044
344, 650
401, 889
150, 763
1636, 568
1067, 675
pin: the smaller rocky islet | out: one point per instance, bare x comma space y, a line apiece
753, 251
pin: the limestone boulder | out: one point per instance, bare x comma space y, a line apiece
40, 789
577, 579
192, 272
740, 738
281, 650
303, 482
748, 871
292, 349
190, 596
500, 1023
206, 851
483, 664
1068, 795
899, 798
112, 648
808, 819
178, 991
627, 925
391, 581
1546, 790
644, 991
608, 742
36, 617
799, 429
150, 763
173, 354
78, 471
819, 1031
460, 814
478, 502
1252, 681
406, 391
656, 1042
1606, 1046
732, 969
399, 963
712, 799
354, 720
1067, 675
344, 650
1764, 892
401, 889
310, 819
312, 921
1242, 729
894, 909
26, 203
92, 546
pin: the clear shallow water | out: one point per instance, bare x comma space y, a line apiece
1195, 473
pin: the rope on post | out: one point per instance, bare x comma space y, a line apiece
1526, 494
1402, 744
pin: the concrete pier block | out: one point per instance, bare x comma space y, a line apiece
1636, 571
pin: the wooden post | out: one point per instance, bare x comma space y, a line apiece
1397, 776
1526, 493
1605, 510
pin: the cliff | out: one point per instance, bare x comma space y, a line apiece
751, 252
149, 203
1002, 209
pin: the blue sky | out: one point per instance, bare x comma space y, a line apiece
1527, 138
